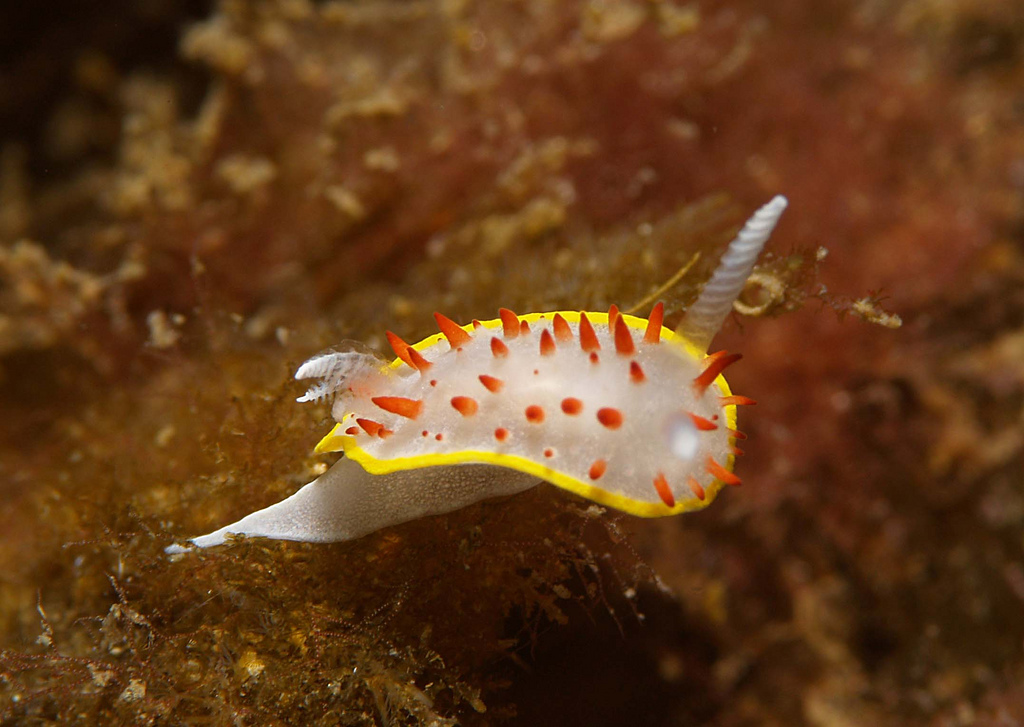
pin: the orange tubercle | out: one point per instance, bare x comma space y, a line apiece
498, 348
408, 408
664, 491
491, 383
588, 337
704, 425
572, 406
736, 400
696, 488
400, 347
721, 473
417, 360
465, 405
654, 323
597, 469
609, 417
562, 330
623, 338
718, 362
547, 343
369, 426
636, 374
613, 313
451, 330
509, 322
534, 414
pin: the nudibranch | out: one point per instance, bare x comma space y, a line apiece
617, 409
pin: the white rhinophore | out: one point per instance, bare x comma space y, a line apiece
705, 317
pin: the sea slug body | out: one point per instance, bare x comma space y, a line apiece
617, 409
628, 393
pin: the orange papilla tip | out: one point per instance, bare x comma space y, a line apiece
524, 327
490, 383
664, 491
572, 406
737, 434
721, 473
509, 322
736, 400
547, 343
737, 451
498, 347
534, 414
501, 434
451, 330
695, 488
562, 330
717, 365
465, 405
408, 408
613, 313
384, 433
654, 323
369, 426
636, 374
352, 431
588, 337
417, 359
623, 339
477, 324
609, 417
594, 358
704, 425
597, 469
400, 347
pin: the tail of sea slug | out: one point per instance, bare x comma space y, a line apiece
706, 315
347, 502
